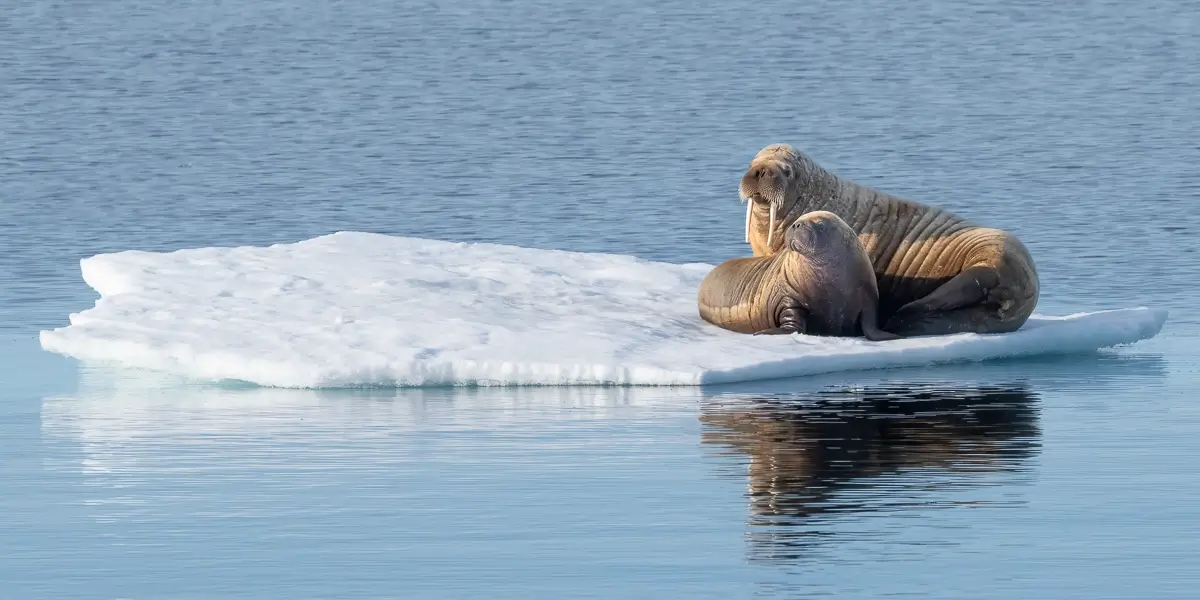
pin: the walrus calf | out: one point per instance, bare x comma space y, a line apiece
819, 283
937, 273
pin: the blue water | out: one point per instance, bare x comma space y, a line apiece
622, 127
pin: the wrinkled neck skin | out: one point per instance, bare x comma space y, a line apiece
792, 272
813, 188
772, 284
738, 293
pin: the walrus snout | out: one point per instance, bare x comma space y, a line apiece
765, 182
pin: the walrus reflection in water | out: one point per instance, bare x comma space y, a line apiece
806, 453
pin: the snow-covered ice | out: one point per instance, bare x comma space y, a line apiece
361, 309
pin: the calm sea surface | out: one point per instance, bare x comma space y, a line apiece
614, 126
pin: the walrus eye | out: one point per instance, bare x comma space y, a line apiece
787, 171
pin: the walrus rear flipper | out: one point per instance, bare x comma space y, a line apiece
968, 288
869, 320
875, 334
980, 318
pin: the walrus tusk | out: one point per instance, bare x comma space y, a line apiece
749, 206
770, 226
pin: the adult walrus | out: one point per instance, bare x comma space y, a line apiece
819, 283
937, 272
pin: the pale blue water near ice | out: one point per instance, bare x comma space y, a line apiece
586, 126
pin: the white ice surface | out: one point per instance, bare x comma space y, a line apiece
355, 309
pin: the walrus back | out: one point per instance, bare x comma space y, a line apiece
915, 248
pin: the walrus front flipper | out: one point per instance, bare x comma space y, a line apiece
967, 289
791, 320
